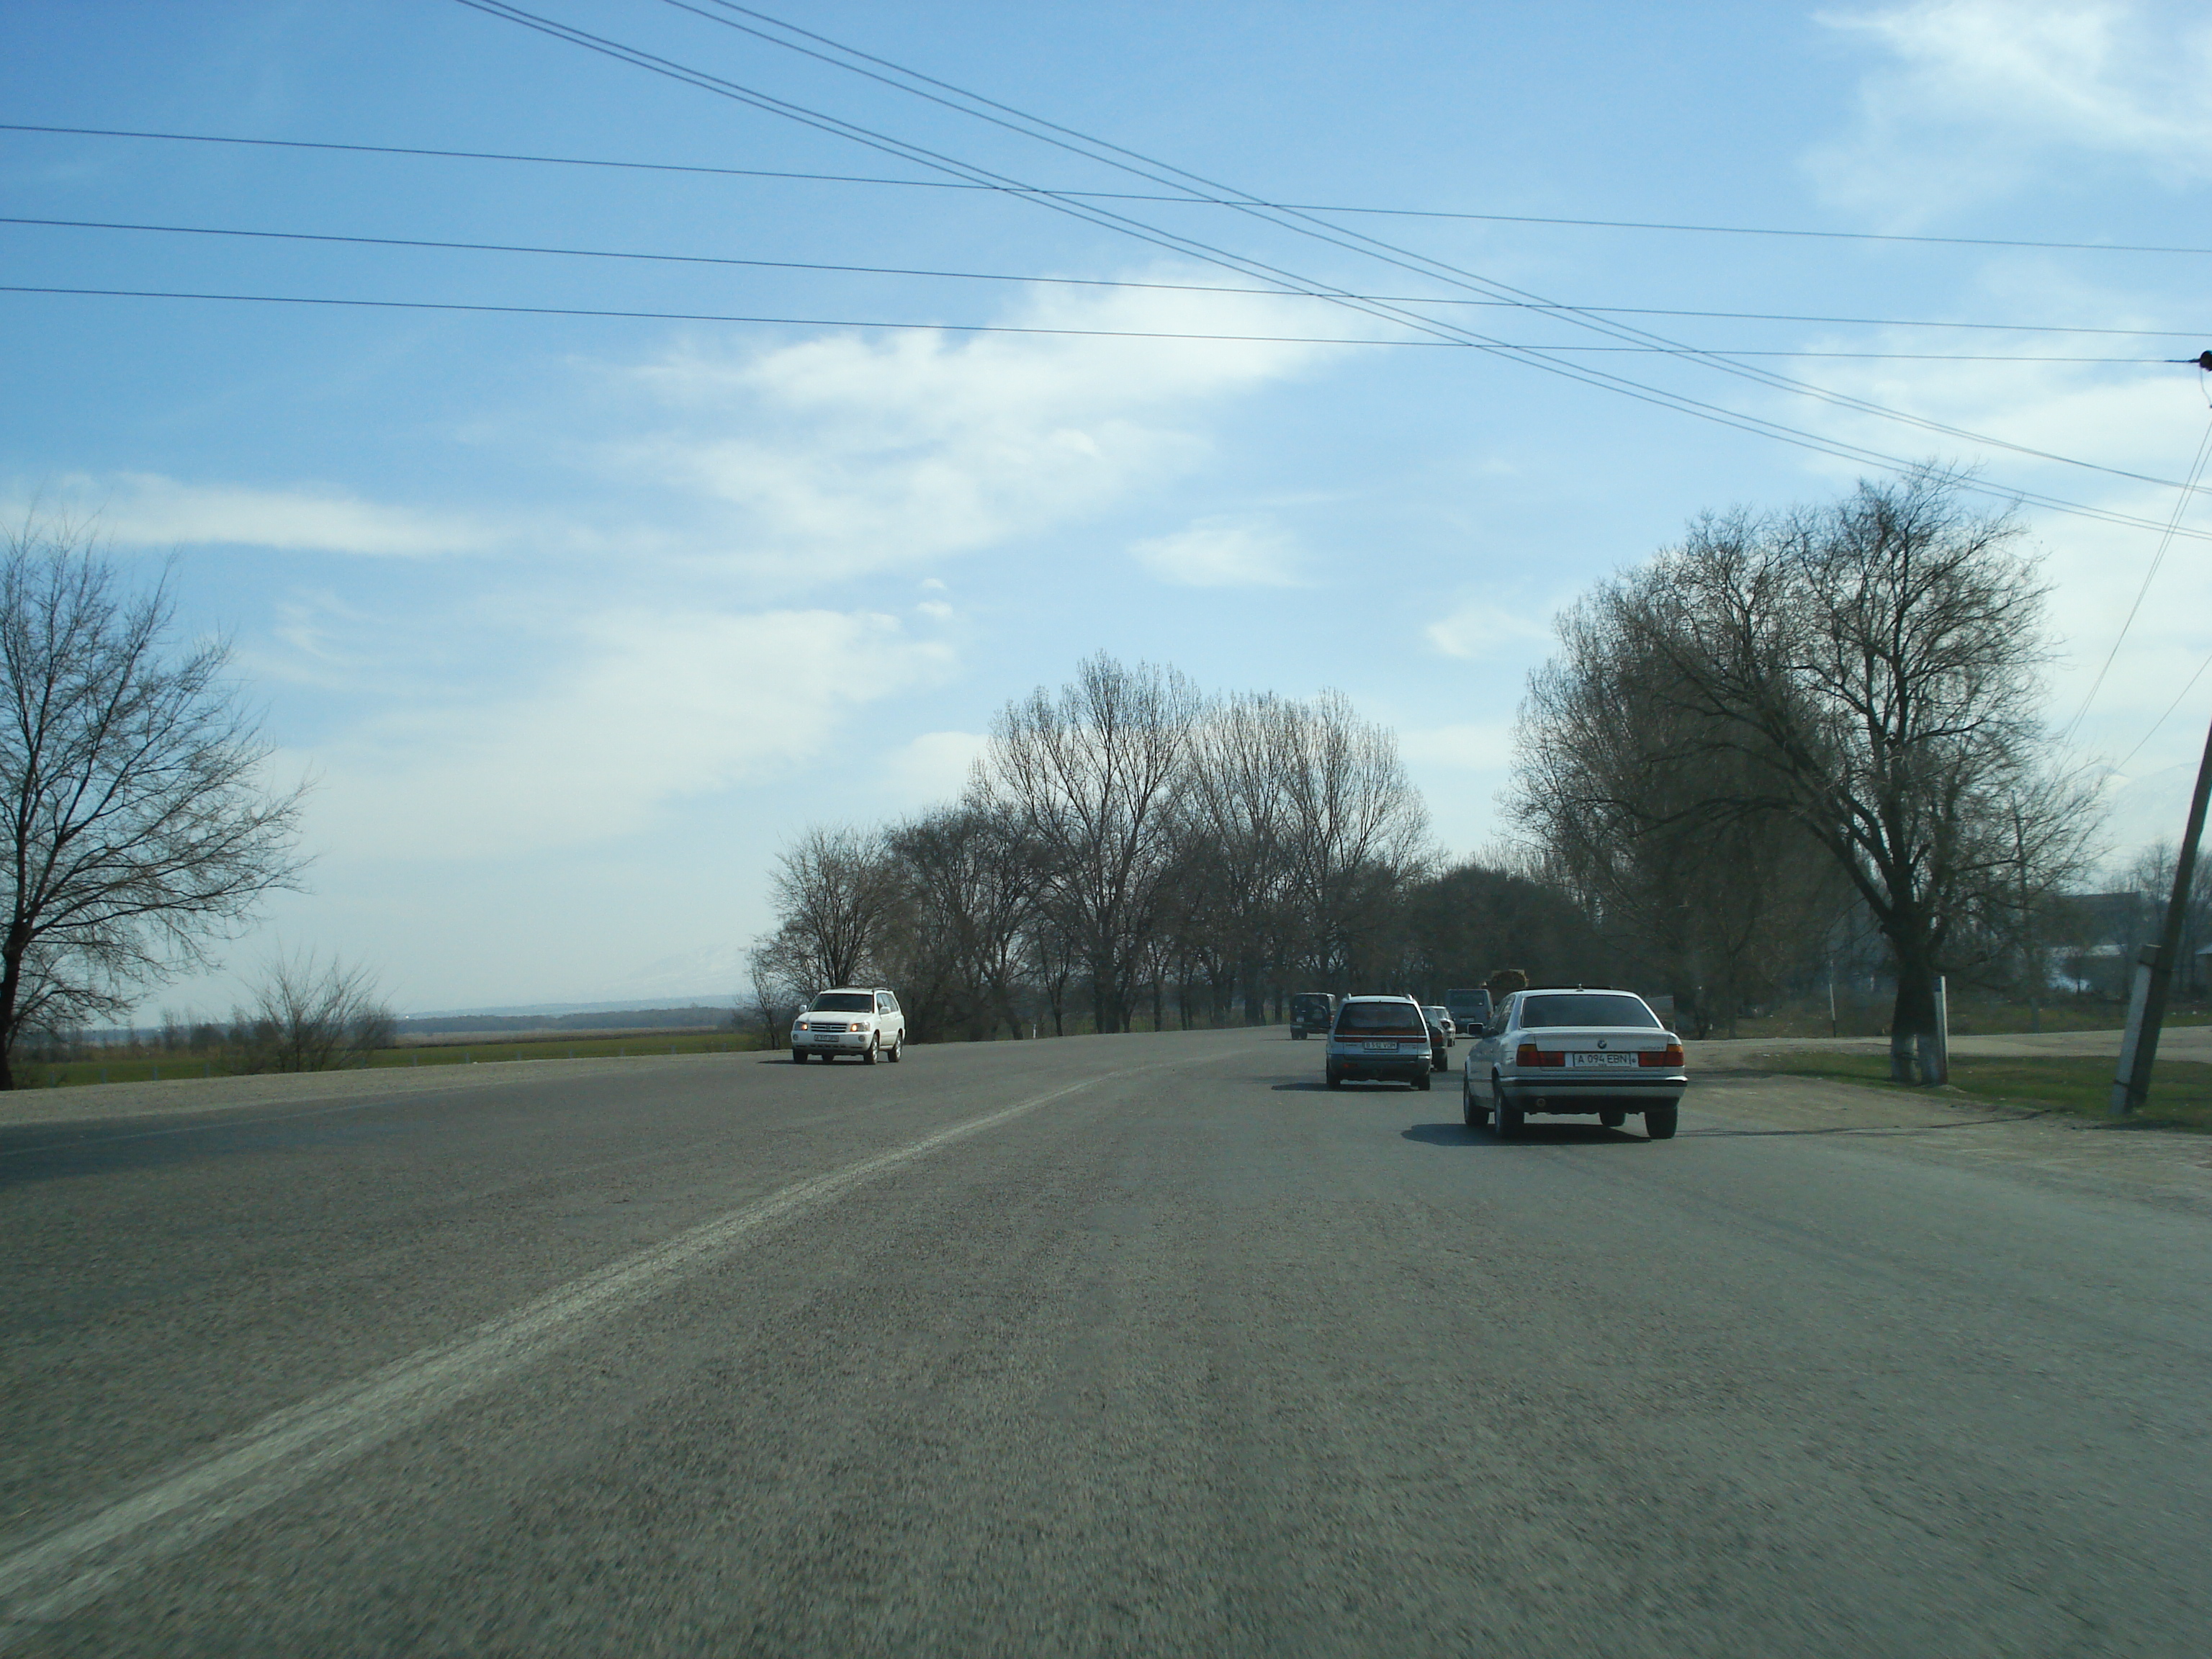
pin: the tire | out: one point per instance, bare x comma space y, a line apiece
1659, 1122
1335, 1079
1508, 1119
799, 1056
868, 1054
899, 1047
1424, 1082
1475, 1116
1613, 1120
1298, 1036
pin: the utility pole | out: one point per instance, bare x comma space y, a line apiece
2154, 969
2154, 963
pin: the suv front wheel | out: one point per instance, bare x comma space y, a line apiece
898, 1047
868, 1055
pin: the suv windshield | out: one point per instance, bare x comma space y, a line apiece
1380, 1019
1581, 1008
843, 1002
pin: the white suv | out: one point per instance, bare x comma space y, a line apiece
864, 1023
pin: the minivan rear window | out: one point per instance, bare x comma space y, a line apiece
1382, 1019
1586, 1008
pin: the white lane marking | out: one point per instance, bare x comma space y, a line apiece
303, 1442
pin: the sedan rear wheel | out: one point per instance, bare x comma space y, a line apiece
1424, 1082
1659, 1122
1475, 1116
1335, 1077
1508, 1118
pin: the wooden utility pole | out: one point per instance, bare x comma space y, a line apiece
2155, 967
2154, 963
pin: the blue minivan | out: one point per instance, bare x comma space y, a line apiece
1380, 1039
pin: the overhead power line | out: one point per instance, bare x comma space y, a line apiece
1173, 177
449, 245
950, 328
1686, 228
2158, 558
701, 316
2121, 765
1167, 174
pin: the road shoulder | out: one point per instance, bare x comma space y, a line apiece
2167, 1166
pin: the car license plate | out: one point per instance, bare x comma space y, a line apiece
1380, 1048
1602, 1060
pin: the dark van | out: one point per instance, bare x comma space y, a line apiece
1470, 1009
1310, 1012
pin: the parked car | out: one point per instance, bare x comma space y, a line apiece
1380, 1039
864, 1022
1311, 1012
1574, 1051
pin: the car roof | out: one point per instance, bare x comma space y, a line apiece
1381, 996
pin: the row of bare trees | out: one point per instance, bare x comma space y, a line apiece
1127, 849
1792, 717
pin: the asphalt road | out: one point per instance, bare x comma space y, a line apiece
1142, 1345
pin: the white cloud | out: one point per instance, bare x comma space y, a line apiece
658, 706
1222, 553
850, 453
144, 509
1974, 95
1491, 628
932, 770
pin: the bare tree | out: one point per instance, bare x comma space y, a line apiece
975, 884
1090, 776
133, 822
309, 1016
1356, 832
1872, 667
838, 894
1614, 767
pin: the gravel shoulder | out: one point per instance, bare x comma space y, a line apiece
2046, 1147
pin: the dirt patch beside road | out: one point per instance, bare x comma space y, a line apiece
2119, 1162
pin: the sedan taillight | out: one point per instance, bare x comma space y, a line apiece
1529, 1054
1670, 1056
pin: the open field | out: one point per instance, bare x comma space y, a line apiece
156, 1068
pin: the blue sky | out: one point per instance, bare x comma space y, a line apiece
576, 620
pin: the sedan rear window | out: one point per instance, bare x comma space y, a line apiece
1582, 1008
843, 1002
1380, 1019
